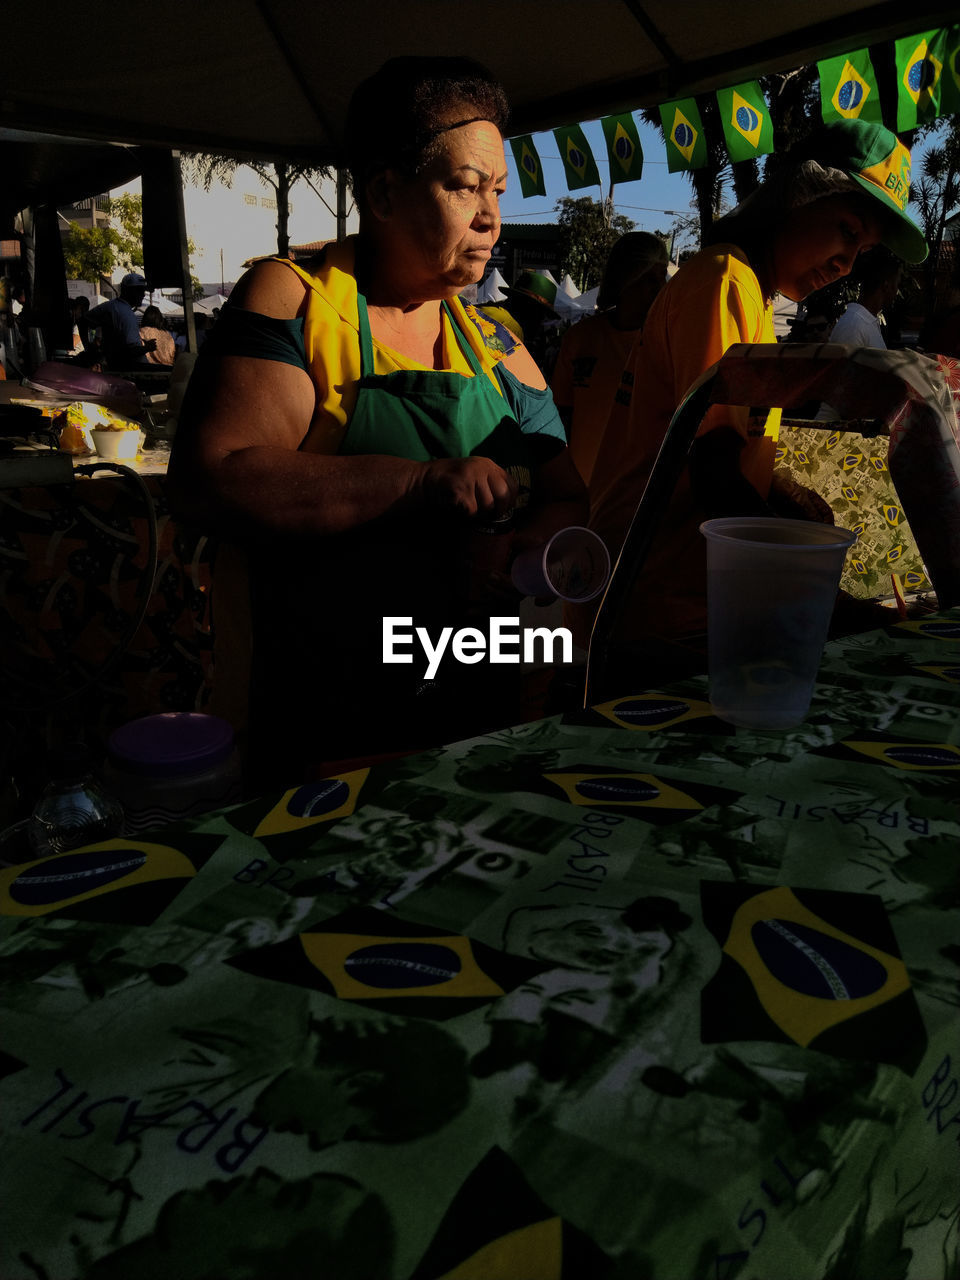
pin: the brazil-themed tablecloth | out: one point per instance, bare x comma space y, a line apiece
622, 993
850, 472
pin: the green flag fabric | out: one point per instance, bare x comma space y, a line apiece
919, 78
624, 153
579, 166
848, 88
747, 127
950, 98
528, 166
683, 133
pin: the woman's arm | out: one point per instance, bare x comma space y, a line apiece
559, 496
236, 462
719, 486
558, 499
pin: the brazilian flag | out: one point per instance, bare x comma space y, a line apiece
848, 88
919, 78
579, 166
498, 1228
683, 132
950, 97
623, 148
528, 166
747, 126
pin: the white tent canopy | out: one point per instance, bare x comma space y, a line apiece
588, 300
164, 305
492, 289
210, 305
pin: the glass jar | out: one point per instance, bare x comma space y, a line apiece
73, 809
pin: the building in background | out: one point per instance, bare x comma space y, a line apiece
523, 247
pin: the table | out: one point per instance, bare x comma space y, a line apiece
625, 992
75, 573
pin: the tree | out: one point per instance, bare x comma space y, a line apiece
793, 98
203, 168
936, 193
94, 253
588, 231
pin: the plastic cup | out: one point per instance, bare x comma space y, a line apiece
771, 588
574, 565
116, 444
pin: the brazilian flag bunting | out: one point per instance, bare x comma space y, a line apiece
919, 77
579, 166
848, 88
528, 166
950, 98
623, 148
683, 133
747, 126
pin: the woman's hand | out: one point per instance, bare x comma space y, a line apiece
473, 486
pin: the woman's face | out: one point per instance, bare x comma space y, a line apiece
819, 243
446, 220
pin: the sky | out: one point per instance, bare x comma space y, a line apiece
240, 222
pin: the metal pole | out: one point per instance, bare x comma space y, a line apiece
341, 205
180, 215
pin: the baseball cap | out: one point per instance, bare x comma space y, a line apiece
879, 163
133, 280
538, 287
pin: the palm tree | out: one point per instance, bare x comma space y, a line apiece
936, 193
793, 98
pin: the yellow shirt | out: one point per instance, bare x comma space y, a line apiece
592, 358
713, 301
331, 339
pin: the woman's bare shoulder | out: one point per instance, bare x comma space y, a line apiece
271, 288
523, 367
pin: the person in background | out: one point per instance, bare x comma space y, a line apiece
352, 432
814, 326
594, 351
878, 273
529, 307
804, 227
119, 325
79, 308
152, 329
941, 333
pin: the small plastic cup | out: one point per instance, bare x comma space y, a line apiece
574, 565
771, 589
116, 444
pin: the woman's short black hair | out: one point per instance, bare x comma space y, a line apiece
396, 114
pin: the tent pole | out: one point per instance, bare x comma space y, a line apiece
181, 217
341, 205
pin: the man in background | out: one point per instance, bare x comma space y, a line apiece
879, 275
119, 325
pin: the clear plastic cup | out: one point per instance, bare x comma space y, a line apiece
574, 565
771, 589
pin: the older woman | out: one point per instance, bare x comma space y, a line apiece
802, 229
352, 427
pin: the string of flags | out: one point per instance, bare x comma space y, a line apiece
928, 86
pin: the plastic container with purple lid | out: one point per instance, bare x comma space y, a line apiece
176, 765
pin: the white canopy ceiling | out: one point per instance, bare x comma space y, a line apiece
273, 77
